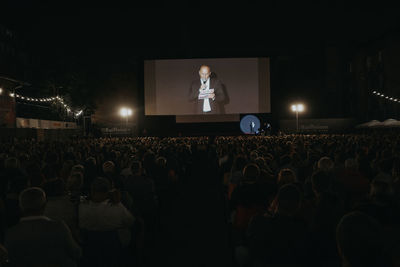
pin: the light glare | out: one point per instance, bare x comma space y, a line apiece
124, 112
297, 108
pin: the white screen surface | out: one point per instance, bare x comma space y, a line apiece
245, 83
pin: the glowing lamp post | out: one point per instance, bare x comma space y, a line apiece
297, 108
125, 113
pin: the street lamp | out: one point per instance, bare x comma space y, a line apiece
297, 108
125, 113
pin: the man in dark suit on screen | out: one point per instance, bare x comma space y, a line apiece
207, 93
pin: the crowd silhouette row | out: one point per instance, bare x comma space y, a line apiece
291, 200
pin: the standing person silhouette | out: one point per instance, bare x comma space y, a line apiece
206, 93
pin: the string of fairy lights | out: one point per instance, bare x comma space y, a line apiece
390, 98
58, 99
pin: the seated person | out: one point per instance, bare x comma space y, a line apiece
36, 239
3, 255
359, 240
279, 238
103, 212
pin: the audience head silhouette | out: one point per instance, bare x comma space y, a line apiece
321, 182
359, 240
251, 172
136, 167
288, 199
32, 201
100, 188
325, 164
108, 167
286, 176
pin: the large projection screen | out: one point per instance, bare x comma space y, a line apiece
245, 85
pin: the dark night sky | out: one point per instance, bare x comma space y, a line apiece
60, 27
107, 41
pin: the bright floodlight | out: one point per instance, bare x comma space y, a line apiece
298, 108
125, 112
1, 91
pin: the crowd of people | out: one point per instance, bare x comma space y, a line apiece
291, 200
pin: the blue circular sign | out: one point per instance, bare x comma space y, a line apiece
250, 124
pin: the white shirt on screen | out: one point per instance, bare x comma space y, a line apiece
206, 103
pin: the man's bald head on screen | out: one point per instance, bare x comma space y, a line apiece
204, 72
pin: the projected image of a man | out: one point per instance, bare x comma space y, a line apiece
207, 93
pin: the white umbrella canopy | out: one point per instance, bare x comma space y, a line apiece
380, 124
363, 125
391, 123
375, 123
369, 124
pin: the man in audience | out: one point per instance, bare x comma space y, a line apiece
36, 239
60, 206
109, 171
104, 211
381, 204
286, 176
105, 224
325, 164
11, 172
3, 255
141, 189
359, 241
352, 184
279, 238
326, 213
247, 199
